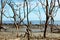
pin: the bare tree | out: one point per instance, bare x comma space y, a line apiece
27, 29
15, 14
47, 17
58, 3
24, 8
49, 13
3, 3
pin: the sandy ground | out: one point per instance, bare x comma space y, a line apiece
34, 36
11, 34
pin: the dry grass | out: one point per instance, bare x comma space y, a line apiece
34, 36
11, 33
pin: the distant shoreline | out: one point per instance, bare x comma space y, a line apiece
33, 22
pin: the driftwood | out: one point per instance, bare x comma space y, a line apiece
2, 28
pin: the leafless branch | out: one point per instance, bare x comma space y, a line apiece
41, 3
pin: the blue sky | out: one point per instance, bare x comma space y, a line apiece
32, 16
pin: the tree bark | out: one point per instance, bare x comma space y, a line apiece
52, 22
46, 26
27, 22
47, 18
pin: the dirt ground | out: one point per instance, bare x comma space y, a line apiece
11, 34
34, 36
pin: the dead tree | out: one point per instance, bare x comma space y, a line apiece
12, 7
47, 18
15, 23
24, 8
58, 3
49, 13
3, 3
27, 30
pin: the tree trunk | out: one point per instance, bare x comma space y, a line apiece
1, 14
47, 18
27, 22
1, 17
46, 26
52, 22
24, 9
